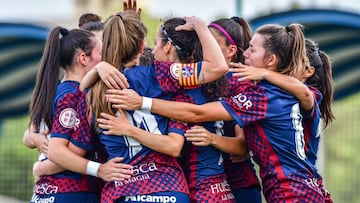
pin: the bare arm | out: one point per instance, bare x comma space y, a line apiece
182, 111
191, 113
36, 140
285, 82
108, 73
60, 154
46, 167
170, 144
214, 65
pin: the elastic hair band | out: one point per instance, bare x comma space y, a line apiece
221, 29
119, 15
288, 29
64, 32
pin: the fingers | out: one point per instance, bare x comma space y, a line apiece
111, 83
117, 160
121, 80
106, 116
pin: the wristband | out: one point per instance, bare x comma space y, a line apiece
92, 168
146, 103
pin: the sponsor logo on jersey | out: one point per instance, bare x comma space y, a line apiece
36, 199
224, 189
242, 101
68, 118
140, 172
45, 189
150, 198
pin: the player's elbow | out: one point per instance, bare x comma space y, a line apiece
174, 150
223, 68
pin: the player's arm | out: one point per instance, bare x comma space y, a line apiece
186, 112
199, 136
113, 125
190, 113
32, 139
214, 65
46, 167
285, 82
108, 74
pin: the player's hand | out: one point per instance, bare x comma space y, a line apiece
199, 136
191, 24
114, 125
131, 6
126, 99
115, 170
40, 140
111, 76
245, 72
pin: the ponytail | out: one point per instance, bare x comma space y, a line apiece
321, 79
46, 81
327, 90
60, 50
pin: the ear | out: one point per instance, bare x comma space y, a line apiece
309, 72
271, 61
83, 59
167, 47
232, 50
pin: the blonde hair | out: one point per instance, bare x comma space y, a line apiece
123, 38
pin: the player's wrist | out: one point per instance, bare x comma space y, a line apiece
146, 103
92, 168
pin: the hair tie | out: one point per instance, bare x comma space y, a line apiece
288, 29
236, 19
119, 15
64, 32
222, 30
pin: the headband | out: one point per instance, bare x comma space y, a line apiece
221, 29
168, 38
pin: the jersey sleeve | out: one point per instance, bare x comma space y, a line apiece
178, 127
317, 100
82, 135
67, 120
173, 76
248, 105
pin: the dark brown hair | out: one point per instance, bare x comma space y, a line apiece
321, 79
60, 49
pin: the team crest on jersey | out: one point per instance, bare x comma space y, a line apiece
68, 118
174, 70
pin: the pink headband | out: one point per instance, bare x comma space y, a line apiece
228, 37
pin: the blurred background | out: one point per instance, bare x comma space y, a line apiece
334, 24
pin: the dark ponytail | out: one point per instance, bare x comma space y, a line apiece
46, 81
60, 49
321, 79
